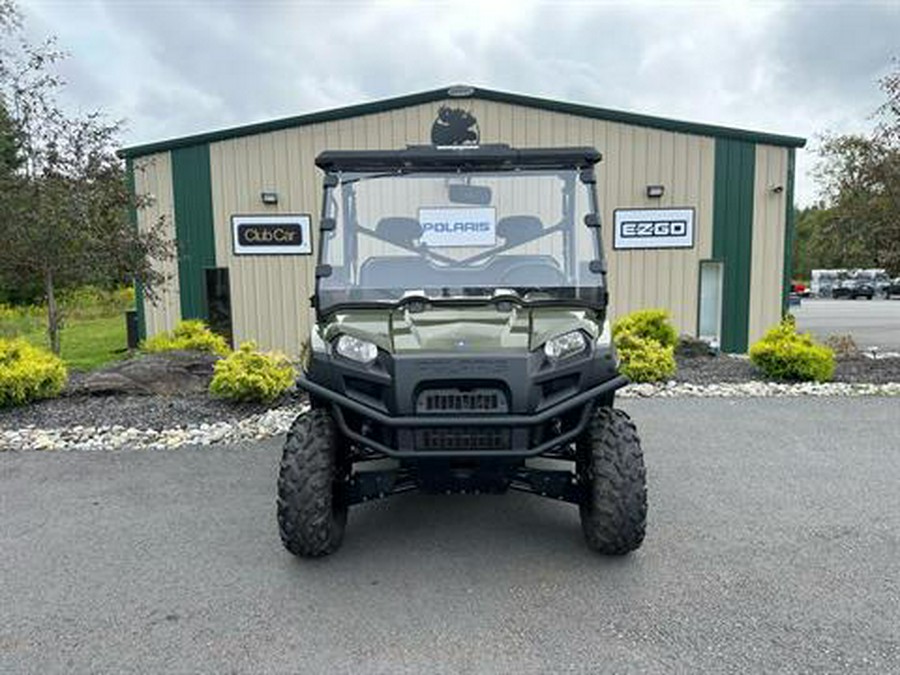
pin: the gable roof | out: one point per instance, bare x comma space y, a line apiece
463, 92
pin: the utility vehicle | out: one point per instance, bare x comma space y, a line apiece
461, 343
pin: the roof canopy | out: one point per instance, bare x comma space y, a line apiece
463, 93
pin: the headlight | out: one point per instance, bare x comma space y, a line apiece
361, 351
565, 345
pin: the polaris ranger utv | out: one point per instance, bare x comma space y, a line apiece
460, 342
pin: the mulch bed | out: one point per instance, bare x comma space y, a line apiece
142, 412
724, 368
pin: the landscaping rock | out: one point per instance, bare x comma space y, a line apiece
690, 347
167, 373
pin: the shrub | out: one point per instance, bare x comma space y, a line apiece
28, 373
645, 341
189, 335
644, 359
650, 324
785, 354
251, 375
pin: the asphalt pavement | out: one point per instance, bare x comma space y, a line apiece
773, 546
871, 323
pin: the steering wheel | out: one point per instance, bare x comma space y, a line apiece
532, 274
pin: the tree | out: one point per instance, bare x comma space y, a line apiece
812, 249
860, 180
64, 203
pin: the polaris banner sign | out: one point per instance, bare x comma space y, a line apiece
653, 228
272, 235
458, 226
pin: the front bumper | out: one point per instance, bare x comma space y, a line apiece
579, 407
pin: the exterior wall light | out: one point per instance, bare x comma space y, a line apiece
269, 197
655, 191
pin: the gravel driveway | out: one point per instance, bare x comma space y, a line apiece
772, 546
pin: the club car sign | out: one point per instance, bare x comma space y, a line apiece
654, 228
272, 235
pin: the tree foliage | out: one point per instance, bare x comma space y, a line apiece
858, 224
64, 200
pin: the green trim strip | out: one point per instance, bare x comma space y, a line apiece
192, 192
133, 218
789, 231
733, 236
386, 105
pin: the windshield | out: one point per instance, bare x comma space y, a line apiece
459, 236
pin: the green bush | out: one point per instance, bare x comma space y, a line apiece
785, 354
28, 373
643, 359
188, 335
251, 375
645, 341
648, 324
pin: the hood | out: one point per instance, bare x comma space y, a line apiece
462, 329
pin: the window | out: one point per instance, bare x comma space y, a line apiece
710, 313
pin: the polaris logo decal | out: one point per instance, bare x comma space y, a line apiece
654, 228
458, 226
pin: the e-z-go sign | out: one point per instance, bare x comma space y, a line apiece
272, 235
653, 228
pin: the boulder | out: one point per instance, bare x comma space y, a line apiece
176, 372
691, 347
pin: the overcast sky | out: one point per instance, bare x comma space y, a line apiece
175, 67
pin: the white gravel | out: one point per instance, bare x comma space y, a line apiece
255, 427
277, 421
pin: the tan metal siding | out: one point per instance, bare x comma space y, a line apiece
767, 263
153, 177
269, 294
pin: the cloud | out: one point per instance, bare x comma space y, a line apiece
178, 68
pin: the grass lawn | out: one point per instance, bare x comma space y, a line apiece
87, 342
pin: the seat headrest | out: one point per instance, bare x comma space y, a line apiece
399, 230
515, 229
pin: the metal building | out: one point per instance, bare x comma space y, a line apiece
723, 272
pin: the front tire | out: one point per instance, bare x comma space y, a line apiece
611, 467
312, 514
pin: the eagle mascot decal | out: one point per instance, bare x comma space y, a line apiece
454, 126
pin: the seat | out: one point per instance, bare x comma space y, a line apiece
519, 229
399, 230
395, 272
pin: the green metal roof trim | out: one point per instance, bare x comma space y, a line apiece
464, 92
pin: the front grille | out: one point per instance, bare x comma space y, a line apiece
454, 438
453, 400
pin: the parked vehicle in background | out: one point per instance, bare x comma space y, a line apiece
823, 282
802, 290
836, 283
853, 289
892, 289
